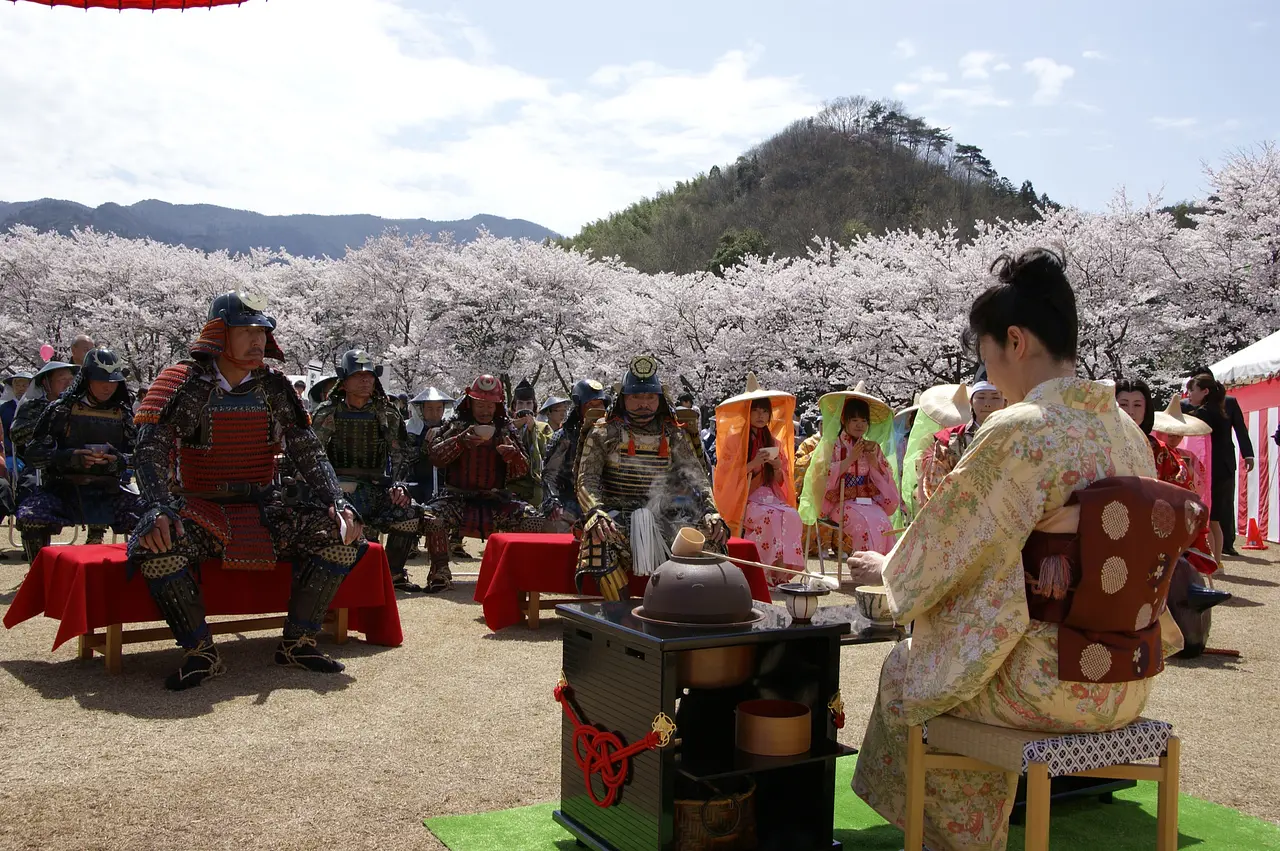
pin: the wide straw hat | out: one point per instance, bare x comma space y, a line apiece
1172, 421
880, 410
947, 404
754, 392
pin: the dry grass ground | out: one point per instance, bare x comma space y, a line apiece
457, 720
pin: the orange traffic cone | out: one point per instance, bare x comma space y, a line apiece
1254, 539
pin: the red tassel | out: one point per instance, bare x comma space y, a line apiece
631, 444
663, 449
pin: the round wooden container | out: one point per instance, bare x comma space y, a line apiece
717, 667
773, 727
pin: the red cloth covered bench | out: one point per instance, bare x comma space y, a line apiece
84, 589
518, 567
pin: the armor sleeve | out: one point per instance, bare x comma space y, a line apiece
42, 450
554, 470
322, 423
520, 467
174, 417
398, 449
301, 445
24, 426
443, 446
685, 458
591, 471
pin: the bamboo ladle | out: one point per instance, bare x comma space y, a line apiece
690, 542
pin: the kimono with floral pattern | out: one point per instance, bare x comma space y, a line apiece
974, 651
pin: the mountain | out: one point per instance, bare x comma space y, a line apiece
857, 167
210, 228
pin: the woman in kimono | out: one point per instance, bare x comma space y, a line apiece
958, 573
753, 487
849, 483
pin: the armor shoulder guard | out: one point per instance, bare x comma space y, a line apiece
279, 389
162, 392
324, 411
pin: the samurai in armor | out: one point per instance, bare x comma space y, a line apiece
81, 445
639, 481
479, 451
429, 408
364, 436
53, 378
560, 502
534, 436
209, 432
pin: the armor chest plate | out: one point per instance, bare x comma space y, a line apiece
629, 479
358, 442
86, 425
235, 444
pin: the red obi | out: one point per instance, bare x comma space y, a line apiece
1107, 585
236, 450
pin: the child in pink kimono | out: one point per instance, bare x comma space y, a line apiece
870, 496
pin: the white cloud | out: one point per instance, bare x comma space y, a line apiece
972, 96
1001, 66
1174, 123
905, 49
973, 65
1257, 25
1050, 77
414, 115
1092, 54
929, 75
904, 89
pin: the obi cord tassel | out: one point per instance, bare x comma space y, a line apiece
631, 444
648, 548
1055, 578
664, 449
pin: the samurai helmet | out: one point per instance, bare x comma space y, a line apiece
358, 360
103, 365
588, 390
239, 309
486, 388
235, 310
642, 377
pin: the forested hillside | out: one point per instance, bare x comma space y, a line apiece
858, 167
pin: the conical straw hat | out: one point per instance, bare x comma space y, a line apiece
880, 410
1172, 421
947, 404
754, 392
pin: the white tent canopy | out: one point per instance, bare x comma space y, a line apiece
1248, 366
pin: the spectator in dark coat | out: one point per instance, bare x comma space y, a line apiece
1207, 399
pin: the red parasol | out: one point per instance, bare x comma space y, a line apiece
151, 5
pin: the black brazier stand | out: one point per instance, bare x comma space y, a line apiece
623, 673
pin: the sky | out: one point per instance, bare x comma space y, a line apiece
563, 112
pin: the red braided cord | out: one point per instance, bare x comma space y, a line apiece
601, 752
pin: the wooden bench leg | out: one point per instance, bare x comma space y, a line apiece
114, 648
340, 621
1037, 829
533, 611
85, 645
1167, 800
914, 833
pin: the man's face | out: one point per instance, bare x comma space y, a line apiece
101, 391
247, 344
640, 407
483, 411
432, 412
523, 410
79, 349
20, 386
299, 388
57, 381
556, 414
985, 402
359, 386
